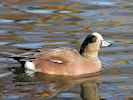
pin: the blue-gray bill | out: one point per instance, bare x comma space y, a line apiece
105, 44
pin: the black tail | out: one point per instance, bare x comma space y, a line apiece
14, 69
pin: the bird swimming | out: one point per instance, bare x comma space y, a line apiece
66, 60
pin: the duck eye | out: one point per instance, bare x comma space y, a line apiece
93, 39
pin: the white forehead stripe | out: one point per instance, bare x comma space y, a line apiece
97, 35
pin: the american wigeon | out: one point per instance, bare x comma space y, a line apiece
66, 60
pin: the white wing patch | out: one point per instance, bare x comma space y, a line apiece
56, 61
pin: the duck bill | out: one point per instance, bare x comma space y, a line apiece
105, 44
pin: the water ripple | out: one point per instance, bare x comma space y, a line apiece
6, 21
29, 45
37, 45
38, 11
4, 43
97, 2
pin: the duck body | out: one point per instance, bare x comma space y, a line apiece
65, 60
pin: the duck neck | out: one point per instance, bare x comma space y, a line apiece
90, 54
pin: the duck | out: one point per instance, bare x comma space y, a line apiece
66, 60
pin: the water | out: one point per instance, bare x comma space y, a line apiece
27, 25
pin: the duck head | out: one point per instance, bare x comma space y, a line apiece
92, 44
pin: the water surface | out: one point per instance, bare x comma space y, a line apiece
27, 25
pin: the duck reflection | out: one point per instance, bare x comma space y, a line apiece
89, 91
60, 86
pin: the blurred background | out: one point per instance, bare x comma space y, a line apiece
33, 24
